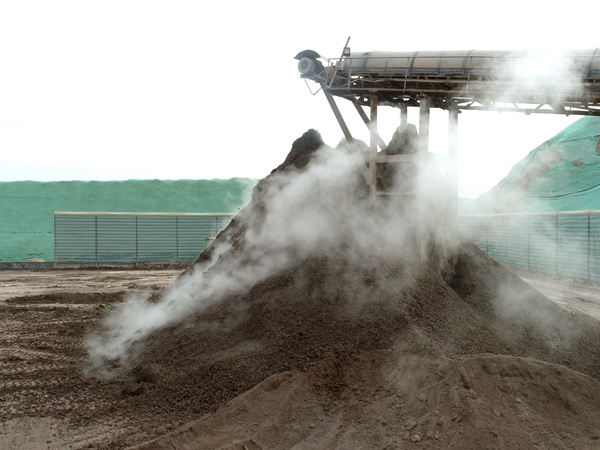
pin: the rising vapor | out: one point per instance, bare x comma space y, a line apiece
315, 210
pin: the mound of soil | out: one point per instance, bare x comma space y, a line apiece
339, 351
319, 359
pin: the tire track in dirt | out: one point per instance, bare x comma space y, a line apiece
46, 402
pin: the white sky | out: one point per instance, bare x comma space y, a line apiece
142, 89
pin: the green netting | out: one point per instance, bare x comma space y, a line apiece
562, 174
27, 207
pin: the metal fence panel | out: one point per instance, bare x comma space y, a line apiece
75, 238
542, 244
562, 244
115, 238
516, 241
134, 237
157, 239
191, 239
565, 244
497, 238
572, 242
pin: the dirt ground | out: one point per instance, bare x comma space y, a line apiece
572, 295
46, 402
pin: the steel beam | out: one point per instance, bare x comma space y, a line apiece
338, 116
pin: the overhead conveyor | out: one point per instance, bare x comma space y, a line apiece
540, 82
563, 82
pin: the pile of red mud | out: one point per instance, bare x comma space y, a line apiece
340, 353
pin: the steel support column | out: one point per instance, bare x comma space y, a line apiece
422, 207
452, 174
373, 145
403, 114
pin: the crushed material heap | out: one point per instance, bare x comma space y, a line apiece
339, 351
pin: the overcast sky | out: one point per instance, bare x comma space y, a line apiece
113, 90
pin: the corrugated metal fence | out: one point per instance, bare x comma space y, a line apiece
99, 237
564, 244
559, 243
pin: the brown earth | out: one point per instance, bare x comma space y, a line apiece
46, 402
332, 351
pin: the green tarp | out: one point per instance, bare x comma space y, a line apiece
562, 174
27, 207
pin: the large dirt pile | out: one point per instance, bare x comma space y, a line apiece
352, 347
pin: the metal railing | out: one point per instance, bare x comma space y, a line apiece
563, 244
110, 237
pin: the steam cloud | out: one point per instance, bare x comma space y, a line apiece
314, 211
319, 209
551, 77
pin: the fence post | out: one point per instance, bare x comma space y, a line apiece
177, 238
96, 239
487, 237
137, 245
55, 237
556, 246
506, 241
589, 247
528, 242
593, 253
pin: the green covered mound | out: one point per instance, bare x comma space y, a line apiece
26, 222
562, 174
